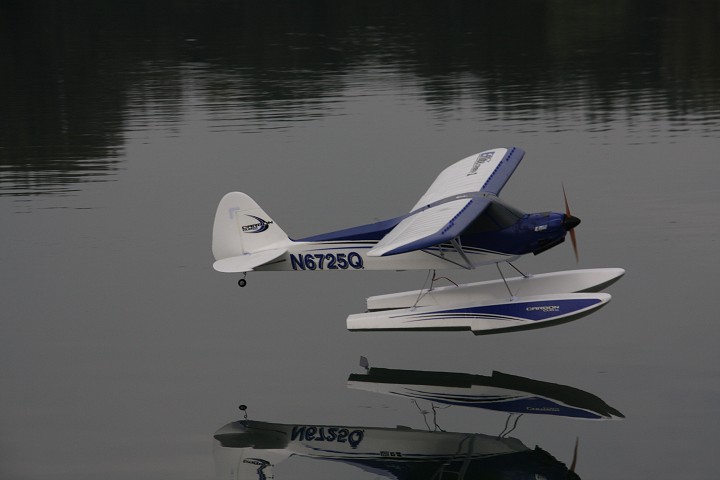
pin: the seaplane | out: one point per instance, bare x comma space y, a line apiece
459, 223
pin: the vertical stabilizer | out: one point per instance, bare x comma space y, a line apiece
246, 463
242, 227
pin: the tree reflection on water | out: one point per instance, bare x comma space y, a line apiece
78, 75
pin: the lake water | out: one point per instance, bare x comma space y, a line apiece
122, 351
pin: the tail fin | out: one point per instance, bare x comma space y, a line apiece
242, 227
246, 463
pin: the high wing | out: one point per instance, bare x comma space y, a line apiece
431, 226
449, 206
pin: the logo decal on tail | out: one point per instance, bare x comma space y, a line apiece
262, 465
258, 227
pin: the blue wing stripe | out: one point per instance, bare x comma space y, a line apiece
503, 171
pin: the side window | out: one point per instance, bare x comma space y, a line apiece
496, 217
503, 215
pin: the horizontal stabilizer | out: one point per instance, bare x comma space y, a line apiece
247, 262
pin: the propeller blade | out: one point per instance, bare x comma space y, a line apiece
570, 223
567, 207
573, 239
575, 452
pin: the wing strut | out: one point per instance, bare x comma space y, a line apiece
456, 243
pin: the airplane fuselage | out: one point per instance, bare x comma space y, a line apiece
501, 235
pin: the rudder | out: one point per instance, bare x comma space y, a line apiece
242, 227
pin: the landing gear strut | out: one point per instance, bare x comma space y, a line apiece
242, 282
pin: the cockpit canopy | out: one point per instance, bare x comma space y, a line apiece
497, 216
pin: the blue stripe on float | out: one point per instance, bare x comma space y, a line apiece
532, 311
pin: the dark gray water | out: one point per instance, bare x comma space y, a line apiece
122, 351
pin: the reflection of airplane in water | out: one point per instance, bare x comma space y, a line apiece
500, 392
249, 449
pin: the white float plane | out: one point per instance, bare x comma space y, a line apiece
458, 223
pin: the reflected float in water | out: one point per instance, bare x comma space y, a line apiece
499, 392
